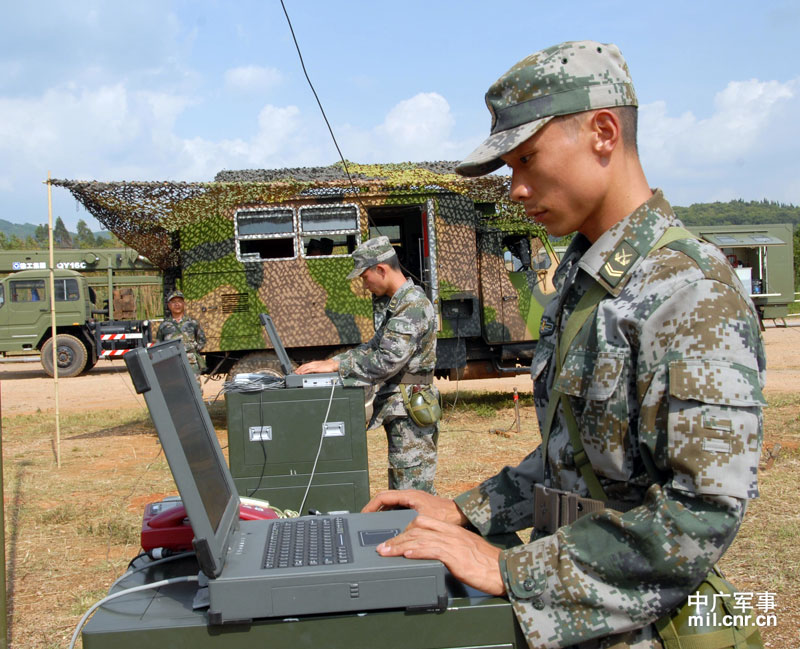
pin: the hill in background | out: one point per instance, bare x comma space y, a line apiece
24, 230
20, 230
739, 212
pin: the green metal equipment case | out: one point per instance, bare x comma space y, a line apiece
273, 439
164, 618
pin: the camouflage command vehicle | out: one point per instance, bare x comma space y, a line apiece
279, 242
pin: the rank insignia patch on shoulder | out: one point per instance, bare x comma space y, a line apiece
618, 263
546, 326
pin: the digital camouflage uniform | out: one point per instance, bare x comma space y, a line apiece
404, 342
668, 373
193, 337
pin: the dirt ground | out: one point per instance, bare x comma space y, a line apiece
25, 388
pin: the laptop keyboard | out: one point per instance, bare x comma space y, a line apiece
315, 541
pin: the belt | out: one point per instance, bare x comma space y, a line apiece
553, 508
409, 378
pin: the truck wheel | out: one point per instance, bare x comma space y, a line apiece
71, 356
89, 362
265, 362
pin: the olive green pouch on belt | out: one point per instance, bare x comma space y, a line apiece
421, 405
699, 626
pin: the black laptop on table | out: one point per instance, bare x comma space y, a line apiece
292, 380
271, 568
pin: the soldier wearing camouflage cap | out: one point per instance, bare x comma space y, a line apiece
648, 380
371, 253
180, 325
399, 358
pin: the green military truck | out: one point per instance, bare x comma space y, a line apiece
112, 272
82, 338
279, 242
764, 261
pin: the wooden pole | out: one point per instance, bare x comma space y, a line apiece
3, 602
53, 318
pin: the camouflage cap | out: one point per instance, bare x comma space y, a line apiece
560, 80
371, 252
174, 294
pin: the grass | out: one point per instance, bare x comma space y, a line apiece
81, 602
485, 404
78, 526
75, 527
782, 425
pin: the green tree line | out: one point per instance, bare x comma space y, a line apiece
739, 212
62, 238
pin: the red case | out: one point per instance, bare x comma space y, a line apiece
165, 525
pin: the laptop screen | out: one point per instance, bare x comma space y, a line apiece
163, 375
277, 344
194, 439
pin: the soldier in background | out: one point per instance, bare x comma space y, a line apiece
319, 247
399, 359
179, 325
648, 381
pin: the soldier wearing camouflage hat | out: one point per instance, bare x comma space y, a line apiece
648, 380
399, 360
180, 325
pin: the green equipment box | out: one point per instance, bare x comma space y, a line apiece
165, 618
273, 440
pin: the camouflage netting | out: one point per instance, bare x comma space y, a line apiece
336, 172
144, 215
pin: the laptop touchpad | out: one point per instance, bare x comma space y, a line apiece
375, 537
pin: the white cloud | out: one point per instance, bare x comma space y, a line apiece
252, 78
63, 120
277, 128
745, 149
108, 129
278, 137
418, 128
415, 129
418, 121
114, 132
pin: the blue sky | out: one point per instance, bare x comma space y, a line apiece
178, 90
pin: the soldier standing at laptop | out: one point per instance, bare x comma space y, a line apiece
399, 360
647, 385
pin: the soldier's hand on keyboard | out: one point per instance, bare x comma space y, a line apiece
316, 367
426, 504
468, 556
